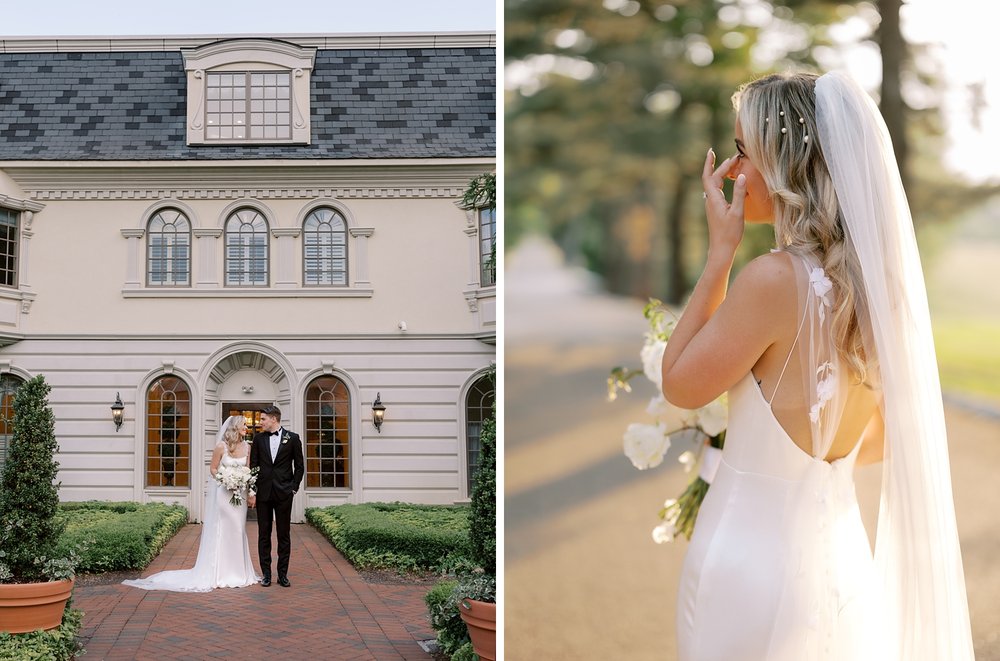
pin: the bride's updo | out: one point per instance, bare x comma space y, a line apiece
778, 116
232, 436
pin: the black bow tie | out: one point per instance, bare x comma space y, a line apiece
276, 433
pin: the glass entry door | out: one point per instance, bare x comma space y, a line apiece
251, 413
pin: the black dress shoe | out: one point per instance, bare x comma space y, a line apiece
283, 582
265, 582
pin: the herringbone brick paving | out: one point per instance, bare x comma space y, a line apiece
329, 612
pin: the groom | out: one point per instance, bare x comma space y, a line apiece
278, 454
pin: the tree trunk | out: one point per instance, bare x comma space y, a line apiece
676, 279
894, 56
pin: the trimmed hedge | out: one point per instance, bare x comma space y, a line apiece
58, 644
118, 536
397, 536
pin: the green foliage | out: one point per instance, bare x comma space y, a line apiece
398, 536
452, 634
478, 587
29, 494
465, 653
118, 536
483, 510
481, 193
59, 644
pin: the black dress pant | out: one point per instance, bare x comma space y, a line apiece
279, 511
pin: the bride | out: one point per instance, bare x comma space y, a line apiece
825, 348
223, 552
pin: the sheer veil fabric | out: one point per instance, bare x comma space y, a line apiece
917, 555
223, 551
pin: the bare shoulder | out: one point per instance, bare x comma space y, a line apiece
769, 278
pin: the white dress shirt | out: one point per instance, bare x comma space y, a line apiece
275, 443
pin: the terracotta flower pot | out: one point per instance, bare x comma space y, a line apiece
481, 619
28, 607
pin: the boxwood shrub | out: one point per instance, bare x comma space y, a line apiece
114, 536
399, 536
59, 644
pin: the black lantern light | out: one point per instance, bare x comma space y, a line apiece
378, 412
118, 411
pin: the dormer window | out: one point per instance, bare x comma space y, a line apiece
248, 91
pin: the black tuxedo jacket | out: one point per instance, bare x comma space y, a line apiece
280, 478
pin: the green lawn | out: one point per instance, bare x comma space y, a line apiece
968, 351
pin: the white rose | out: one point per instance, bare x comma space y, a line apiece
652, 361
672, 417
663, 533
714, 417
645, 445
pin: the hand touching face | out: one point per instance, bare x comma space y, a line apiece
757, 207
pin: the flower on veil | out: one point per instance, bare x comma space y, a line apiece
826, 387
821, 285
646, 445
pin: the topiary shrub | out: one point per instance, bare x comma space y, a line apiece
483, 512
29, 494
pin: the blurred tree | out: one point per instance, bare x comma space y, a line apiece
611, 106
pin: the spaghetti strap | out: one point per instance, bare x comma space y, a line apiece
789, 356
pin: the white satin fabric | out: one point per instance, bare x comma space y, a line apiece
223, 551
779, 567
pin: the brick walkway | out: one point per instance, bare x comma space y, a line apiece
329, 612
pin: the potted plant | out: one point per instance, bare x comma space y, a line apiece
35, 582
476, 592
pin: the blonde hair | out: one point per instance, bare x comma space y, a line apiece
778, 116
232, 436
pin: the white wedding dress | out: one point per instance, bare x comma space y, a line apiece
223, 551
779, 567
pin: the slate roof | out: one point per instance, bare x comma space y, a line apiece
377, 103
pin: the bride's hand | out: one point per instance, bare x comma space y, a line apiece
725, 219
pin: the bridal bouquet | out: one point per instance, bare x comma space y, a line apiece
235, 479
646, 444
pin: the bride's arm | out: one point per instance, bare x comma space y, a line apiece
216, 458
872, 440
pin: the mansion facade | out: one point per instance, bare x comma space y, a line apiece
202, 227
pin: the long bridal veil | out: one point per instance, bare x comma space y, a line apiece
917, 553
201, 577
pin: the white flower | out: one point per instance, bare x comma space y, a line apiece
669, 502
826, 388
687, 458
664, 532
673, 418
821, 286
652, 361
820, 283
645, 445
713, 417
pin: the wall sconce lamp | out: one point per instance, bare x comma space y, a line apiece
378, 412
247, 390
118, 412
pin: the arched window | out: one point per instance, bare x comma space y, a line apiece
324, 248
478, 409
168, 249
9, 384
168, 433
328, 433
246, 249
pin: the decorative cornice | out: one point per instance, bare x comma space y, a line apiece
207, 232
19, 205
133, 232
261, 181
60, 44
361, 231
278, 232
256, 193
